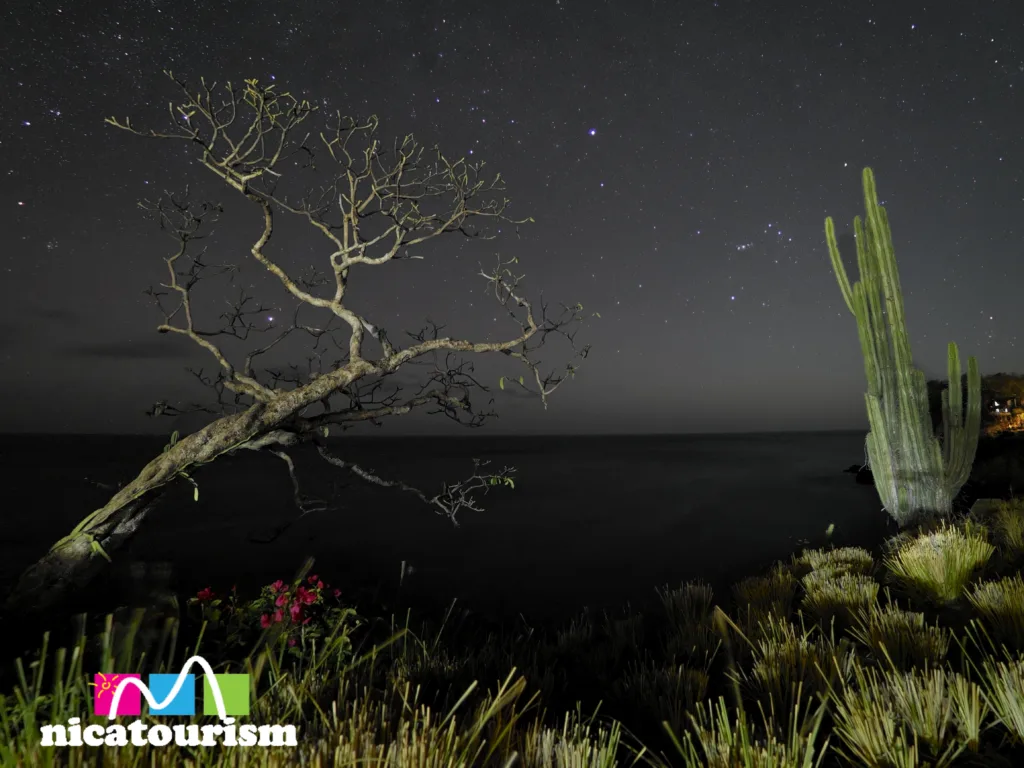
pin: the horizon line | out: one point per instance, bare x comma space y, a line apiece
470, 434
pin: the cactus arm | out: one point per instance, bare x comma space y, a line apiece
837, 263
962, 438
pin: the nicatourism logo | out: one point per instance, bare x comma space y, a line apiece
168, 695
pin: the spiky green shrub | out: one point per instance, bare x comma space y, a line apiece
686, 603
1003, 689
664, 692
577, 744
761, 598
1001, 606
900, 638
1009, 525
723, 739
787, 659
842, 597
691, 636
972, 710
839, 560
925, 702
625, 632
940, 564
908, 719
578, 634
866, 726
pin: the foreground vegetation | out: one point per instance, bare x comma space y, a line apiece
837, 657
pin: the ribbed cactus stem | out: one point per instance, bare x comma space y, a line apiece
915, 473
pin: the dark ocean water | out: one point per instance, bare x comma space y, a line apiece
592, 520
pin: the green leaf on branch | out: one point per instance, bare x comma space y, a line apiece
501, 382
97, 549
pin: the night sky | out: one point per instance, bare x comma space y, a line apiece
679, 159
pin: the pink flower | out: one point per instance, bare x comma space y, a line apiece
307, 620
312, 578
204, 594
319, 585
296, 612
291, 642
278, 586
305, 596
265, 621
282, 599
278, 616
337, 593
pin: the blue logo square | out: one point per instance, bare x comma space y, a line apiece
184, 702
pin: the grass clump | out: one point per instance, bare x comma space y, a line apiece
577, 744
723, 739
762, 599
1003, 687
690, 633
900, 638
915, 718
1008, 522
578, 634
841, 597
839, 560
940, 564
663, 693
789, 661
1000, 605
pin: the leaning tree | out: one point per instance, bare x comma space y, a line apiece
376, 204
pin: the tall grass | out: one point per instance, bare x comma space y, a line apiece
843, 680
721, 738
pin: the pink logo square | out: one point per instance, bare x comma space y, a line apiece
130, 703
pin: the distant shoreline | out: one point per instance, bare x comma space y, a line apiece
469, 434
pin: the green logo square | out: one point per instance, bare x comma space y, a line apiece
235, 691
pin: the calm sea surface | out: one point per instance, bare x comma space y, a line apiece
592, 520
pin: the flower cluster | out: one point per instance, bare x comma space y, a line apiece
293, 606
306, 610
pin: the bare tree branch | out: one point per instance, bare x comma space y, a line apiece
380, 204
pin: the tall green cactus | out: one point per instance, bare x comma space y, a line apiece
916, 474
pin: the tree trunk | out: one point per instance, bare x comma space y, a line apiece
73, 563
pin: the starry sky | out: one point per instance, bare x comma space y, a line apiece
679, 159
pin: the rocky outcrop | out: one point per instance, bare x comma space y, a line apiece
862, 474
